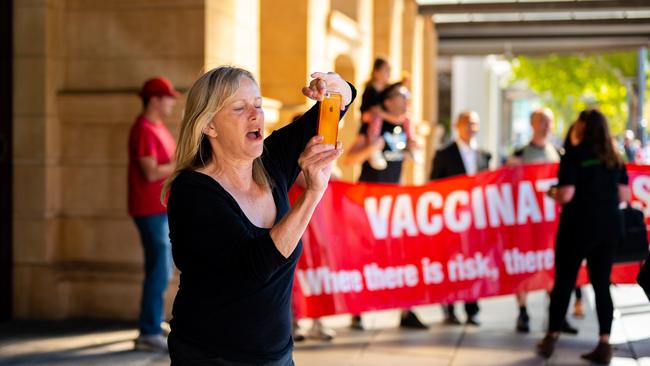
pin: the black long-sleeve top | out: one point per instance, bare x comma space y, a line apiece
592, 216
234, 297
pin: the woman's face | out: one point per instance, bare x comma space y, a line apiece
239, 126
396, 104
577, 132
383, 73
164, 105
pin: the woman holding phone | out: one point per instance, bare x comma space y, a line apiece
592, 180
234, 237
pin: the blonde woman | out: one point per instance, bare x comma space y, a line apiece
234, 237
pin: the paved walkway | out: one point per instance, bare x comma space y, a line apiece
494, 343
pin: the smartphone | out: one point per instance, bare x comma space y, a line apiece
329, 116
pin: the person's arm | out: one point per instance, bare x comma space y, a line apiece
284, 146
379, 111
153, 171
361, 149
316, 164
562, 194
516, 158
624, 194
144, 150
567, 175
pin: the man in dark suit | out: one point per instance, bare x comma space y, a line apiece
457, 158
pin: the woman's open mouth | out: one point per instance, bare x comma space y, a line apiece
254, 134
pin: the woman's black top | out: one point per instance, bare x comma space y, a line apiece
369, 98
592, 216
234, 297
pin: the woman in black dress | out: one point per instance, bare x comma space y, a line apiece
235, 239
592, 181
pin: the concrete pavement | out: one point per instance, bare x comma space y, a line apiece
494, 343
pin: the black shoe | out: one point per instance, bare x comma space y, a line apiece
411, 321
451, 320
568, 329
546, 347
523, 321
356, 323
602, 354
472, 320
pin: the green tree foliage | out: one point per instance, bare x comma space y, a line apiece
569, 83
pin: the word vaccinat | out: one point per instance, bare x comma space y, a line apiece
493, 205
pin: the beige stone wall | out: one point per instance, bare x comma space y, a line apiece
232, 34
112, 47
432, 131
283, 50
78, 65
37, 172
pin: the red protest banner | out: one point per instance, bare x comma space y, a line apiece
382, 246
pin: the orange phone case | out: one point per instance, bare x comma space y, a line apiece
328, 118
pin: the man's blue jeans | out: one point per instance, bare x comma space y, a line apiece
154, 233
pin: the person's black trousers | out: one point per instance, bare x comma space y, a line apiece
567, 264
471, 309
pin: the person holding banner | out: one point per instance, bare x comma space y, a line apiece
234, 237
592, 180
461, 157
392, 142
538, 150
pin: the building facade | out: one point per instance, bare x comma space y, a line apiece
77, 67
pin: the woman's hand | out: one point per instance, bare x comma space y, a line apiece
316, 163
552, 192
562, 194
331, 81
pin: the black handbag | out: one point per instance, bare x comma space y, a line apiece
633, 243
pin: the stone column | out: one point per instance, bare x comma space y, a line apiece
232, 34
78, 66
409, 35
387, 37
412, 64
283, 52
37, 151
430, 93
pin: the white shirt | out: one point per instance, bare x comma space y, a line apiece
468, 154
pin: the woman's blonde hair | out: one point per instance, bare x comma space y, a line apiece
206, 98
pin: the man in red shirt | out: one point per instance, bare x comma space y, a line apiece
151, 150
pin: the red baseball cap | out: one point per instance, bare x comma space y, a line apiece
158, 87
